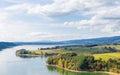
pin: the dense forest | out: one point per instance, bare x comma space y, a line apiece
72, 61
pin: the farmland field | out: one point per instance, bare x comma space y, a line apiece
107, 56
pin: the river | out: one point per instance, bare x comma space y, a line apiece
10, 64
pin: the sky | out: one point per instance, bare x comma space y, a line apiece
56, 20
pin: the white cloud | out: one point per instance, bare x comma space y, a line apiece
3, 15
66, 7
15, 31
99, 8
19, 8
102, 16
41, 34
21, 31
109, 26
13, 1
57, 8
105, 15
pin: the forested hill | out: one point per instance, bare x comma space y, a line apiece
4, 45
93, 41
103, 40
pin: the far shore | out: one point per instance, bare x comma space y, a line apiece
34, 55
111, 73
29, 55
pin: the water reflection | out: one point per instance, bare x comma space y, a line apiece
26, 57
65, 72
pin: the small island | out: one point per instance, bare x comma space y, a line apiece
94, 58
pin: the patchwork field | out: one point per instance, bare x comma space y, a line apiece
97, 51
46, 51
78, 50
107, 56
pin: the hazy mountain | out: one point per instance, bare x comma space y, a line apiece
4, 45
103, 40
98, 41
38, 43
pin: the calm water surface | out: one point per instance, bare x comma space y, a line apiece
10, 64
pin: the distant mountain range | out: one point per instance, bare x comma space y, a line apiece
4, 45
94, 41
37, 43
103, 40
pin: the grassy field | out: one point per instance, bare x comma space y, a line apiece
107, 56
46, 51
97, 51
82, 50
78, 50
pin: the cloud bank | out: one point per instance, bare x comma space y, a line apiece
90, 16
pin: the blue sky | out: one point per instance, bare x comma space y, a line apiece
55, 20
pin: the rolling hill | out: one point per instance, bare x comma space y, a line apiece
103, 41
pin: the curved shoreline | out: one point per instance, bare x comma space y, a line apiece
111, 73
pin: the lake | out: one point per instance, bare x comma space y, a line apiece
10, 64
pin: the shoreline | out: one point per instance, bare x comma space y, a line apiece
34, 55
29, 55
111, 73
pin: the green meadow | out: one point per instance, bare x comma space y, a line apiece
107, 56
